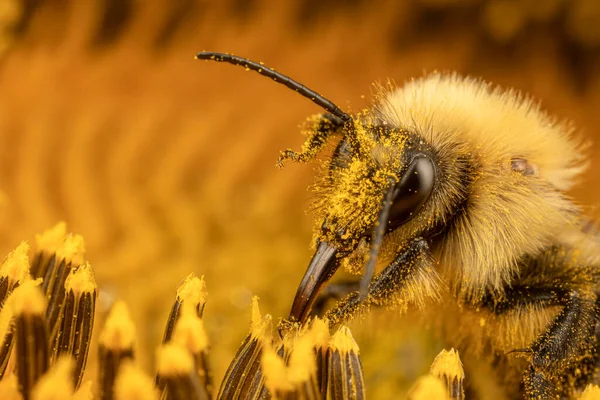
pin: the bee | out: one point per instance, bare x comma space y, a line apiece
457, 188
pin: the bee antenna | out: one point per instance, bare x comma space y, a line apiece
279, 78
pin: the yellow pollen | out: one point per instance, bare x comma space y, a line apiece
320, 330
16, 265
260, 327
591, 392
9, 387
448, 363
72, 249
192, 289
275, 371
428, 387
52, 238
189, 331
57, 383
84, 392
302, 364
343, 341
119, 330
133, 384
174, 360
81, 280
28, 299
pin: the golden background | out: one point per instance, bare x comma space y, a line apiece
166, 165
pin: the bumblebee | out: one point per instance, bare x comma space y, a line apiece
455, 189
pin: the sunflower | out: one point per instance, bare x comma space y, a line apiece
47, 313
47, 318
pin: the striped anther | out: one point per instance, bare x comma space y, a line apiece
68, 256
77, 322
293, 376
32, 354
116, 346
345, 374
448, 367
191, 290
189, 332
13, 270
320, 330
244, 378
176, 367
46, 245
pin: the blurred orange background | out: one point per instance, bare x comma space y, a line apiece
166, 165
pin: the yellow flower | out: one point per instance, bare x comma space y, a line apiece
47, 320
47, 314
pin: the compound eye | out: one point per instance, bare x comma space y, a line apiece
412, 191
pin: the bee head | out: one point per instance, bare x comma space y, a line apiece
377, 183
379, 176
378, 179
478, 172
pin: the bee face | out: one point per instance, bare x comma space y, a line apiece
379, 180
371, 160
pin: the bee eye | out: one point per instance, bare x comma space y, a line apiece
412, 191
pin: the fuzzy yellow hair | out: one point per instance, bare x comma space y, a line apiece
493, 214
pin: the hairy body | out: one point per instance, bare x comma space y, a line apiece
457, 189
503, 243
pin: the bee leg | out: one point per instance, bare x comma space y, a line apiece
520, 296
409, 264
568, 342
320, 128
334, 291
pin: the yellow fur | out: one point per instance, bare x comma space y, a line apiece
495, 124
509, 214
497, 217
